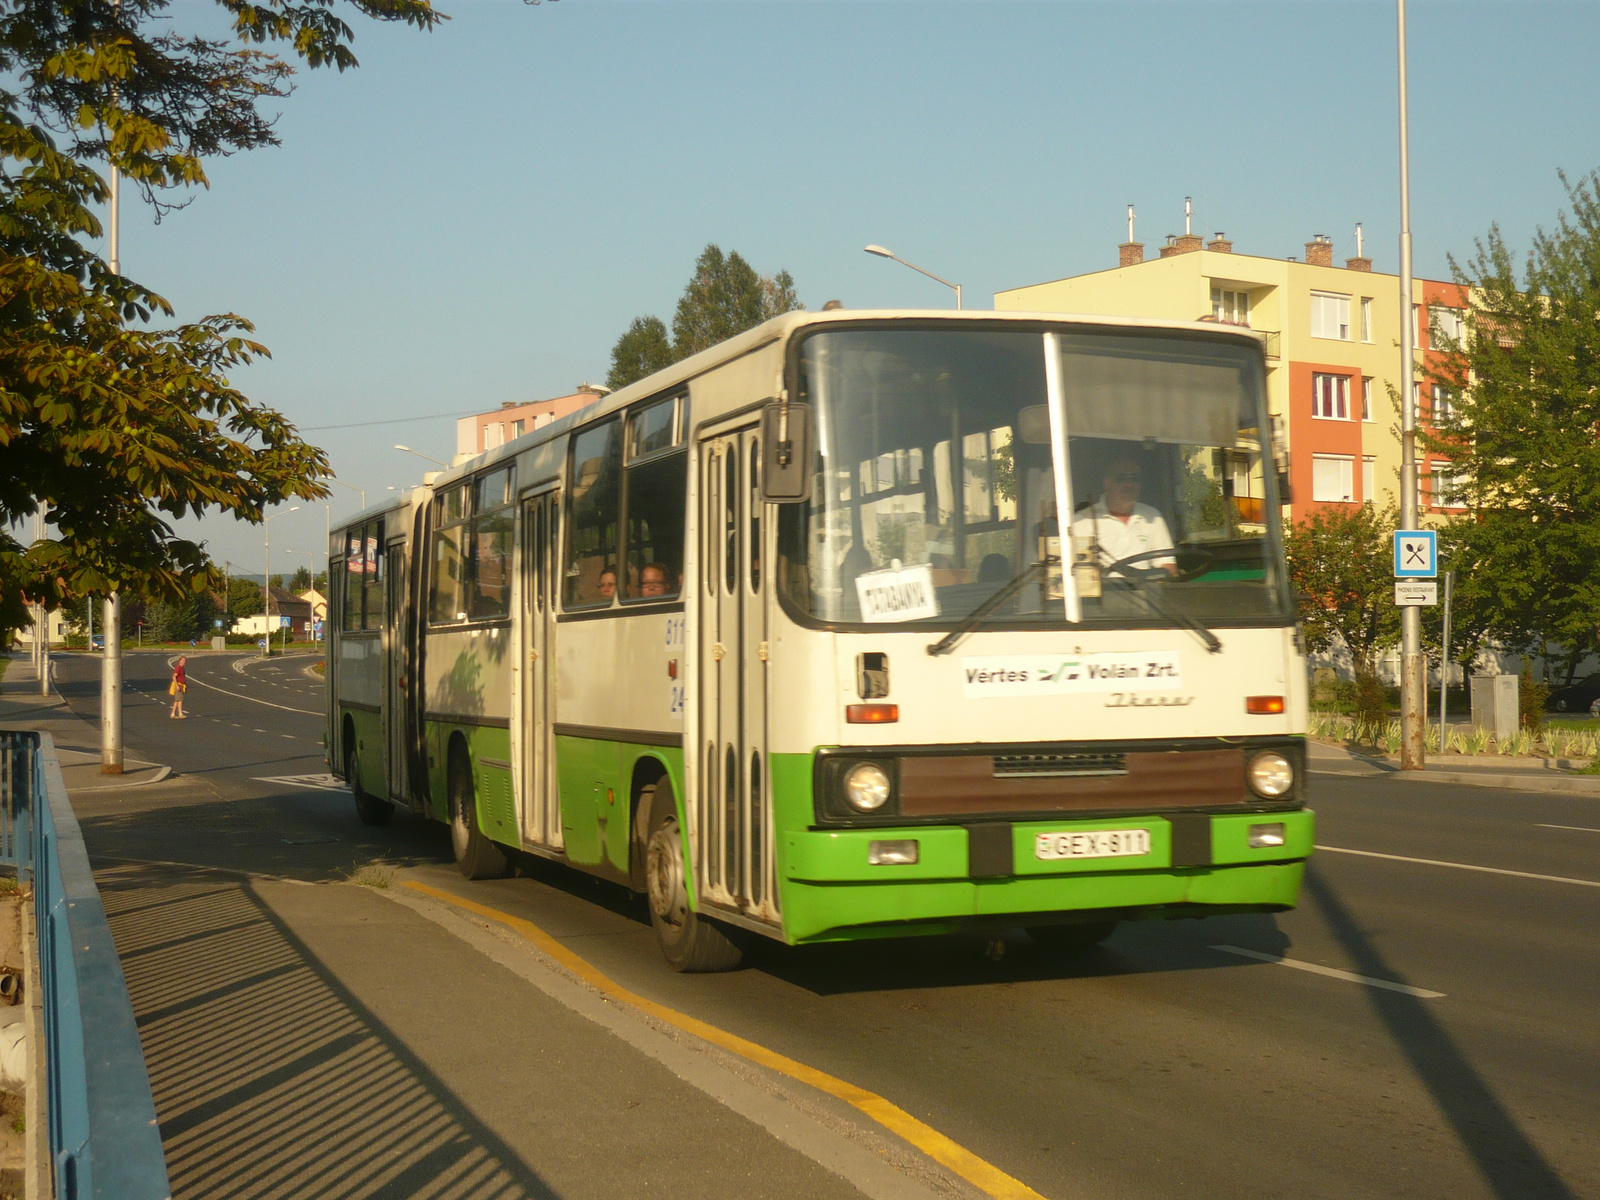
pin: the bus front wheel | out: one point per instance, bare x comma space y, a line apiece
476, 856
689, 941
373, 810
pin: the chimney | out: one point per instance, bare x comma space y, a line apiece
1360, 262
1171, 247
1319, 251
1131, 252
1188, 243
1220, 244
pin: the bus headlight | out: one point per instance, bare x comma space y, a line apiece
1270, 775
866, 787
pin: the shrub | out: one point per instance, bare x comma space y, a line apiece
1531, 695
1370, 700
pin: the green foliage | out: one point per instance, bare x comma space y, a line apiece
1370, 702
244, 598
300, 581
643, 350
1341, 565
1531, 695
113, 425
724, 297
166, 621
1523, 434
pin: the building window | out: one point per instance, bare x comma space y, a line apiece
1369, 480
1366, 318
1446, 322
1448, 487
1231, 308
1444, 406
1366, 397
1332, 477
1330, 316
1330, 397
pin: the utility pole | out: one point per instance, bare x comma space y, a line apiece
111, 620
1413, 677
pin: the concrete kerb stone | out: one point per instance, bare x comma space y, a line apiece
1529, 774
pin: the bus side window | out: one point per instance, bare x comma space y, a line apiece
353, 574
373, 618
492, 526
596, 496
446, 592
755, 516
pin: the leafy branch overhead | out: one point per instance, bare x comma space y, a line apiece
113, 425
724, 297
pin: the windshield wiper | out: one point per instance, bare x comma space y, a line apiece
947, 643
1160, 608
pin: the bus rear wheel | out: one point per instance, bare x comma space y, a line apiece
689, 941
1071, 939
476, 856
372, 810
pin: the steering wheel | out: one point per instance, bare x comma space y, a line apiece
1127, 567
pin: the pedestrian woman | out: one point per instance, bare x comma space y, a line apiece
178, 686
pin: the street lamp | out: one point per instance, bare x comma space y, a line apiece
266, 579
420, 454
351, 486
882, 253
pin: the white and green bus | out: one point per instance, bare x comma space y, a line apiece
791, 636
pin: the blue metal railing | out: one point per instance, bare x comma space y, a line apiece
104, 1139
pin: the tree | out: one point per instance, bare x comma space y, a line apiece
111, 425
300, 581
244, 598
1521, 435
724, 297
643, 350
1341, 563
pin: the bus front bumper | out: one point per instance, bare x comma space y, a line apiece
831, 890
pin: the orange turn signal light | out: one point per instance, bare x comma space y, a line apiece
872, 714
1263, 705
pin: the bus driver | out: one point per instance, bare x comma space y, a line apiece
1121, 525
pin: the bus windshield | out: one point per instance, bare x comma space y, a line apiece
936, 482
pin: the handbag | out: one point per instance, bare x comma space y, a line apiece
172, 688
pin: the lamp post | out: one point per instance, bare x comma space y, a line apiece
362, 492
1413, 678
266, 579
111, 617
882, 253
420, 454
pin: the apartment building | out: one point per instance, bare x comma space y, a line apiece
1333, 350
486, 430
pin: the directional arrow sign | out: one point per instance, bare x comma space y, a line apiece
1415, 554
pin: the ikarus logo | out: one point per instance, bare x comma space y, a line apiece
1067, 671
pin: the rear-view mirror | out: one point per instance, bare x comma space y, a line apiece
786, 452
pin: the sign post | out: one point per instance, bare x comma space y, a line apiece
1444, 656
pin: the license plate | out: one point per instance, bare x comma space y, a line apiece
1099, 843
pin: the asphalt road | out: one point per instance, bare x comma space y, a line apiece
1156, 1066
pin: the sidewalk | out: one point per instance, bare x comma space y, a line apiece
1529, 774
77, 741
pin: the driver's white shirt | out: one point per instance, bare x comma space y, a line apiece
1143, 531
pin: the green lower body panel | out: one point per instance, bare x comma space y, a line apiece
368, 729
597, 779
489, 751
831, 891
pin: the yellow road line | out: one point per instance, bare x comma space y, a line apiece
984, 1175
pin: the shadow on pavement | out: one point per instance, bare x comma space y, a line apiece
270, 1078
1510, 1163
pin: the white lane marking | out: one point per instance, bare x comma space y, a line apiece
1578, 828
321, 783
1332, 972
1434, 862
310, 712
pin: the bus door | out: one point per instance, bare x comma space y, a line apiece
540, 798
733, 831
396, 660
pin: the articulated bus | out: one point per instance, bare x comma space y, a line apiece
793, 637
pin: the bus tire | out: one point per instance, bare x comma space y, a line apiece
476, 856
689, 941
372, 810
1071, 939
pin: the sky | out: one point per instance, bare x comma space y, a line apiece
476, 214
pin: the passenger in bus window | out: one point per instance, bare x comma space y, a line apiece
1123, 527
608, 584
653, 579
